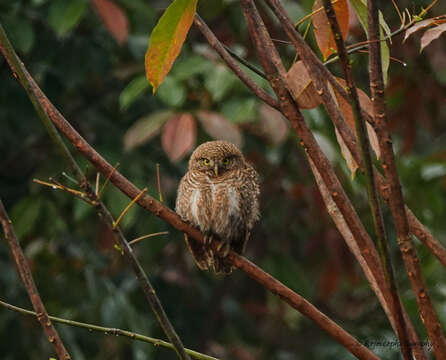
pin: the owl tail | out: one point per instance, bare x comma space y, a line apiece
202, 257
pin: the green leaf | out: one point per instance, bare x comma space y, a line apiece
65, 14
20, 32
24, 215
172, 92
219, 81
240, 110
167, 38
132, 91
145, 129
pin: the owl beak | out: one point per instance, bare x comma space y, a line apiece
216, 169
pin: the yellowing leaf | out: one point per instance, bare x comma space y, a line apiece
179, 136
322, 29
167, 38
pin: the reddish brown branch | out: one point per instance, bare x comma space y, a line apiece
27, 279
375, 206
220, 49
396, 201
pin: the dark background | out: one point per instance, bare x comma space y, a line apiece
81, 276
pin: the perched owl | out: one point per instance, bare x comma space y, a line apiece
219, 195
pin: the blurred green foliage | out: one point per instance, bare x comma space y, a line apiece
100, 87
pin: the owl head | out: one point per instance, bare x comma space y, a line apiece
215, 158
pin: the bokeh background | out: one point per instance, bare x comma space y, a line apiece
98, 84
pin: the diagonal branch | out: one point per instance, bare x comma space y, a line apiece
152, 205
110, 331
219, 48
29, 85
375, 207
27, 279
396, 201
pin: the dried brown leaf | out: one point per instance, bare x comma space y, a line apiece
322, 30
418, 26
301, 87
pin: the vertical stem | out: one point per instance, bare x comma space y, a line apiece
31, 288
396, 201
378, 223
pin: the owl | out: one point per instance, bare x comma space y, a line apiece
219, 195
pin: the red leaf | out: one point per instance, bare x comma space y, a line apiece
179, 136
114, 18
301, 86
322, 29
431, 35
219, 127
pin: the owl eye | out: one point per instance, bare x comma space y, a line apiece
226, 161
206, 162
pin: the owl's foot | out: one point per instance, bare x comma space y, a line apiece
224, 248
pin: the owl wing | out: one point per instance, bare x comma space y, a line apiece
237, 203
187, 199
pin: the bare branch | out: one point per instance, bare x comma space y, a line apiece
30, 286
375, 207
396, 201
219, 48
110, 331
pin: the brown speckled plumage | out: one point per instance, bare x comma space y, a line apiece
219, 195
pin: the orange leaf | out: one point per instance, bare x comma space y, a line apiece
301, 86
322, 29
167, 38
179, 136
114, 18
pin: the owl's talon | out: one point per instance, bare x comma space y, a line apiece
224, 248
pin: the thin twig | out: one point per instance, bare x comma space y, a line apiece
128, 207
96, 190
109, 331
152, 205
30, 286
375, 207
220, 49
158, 183
134, 241
47, 112
396, 201
244, 62
79, 194
107, 180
